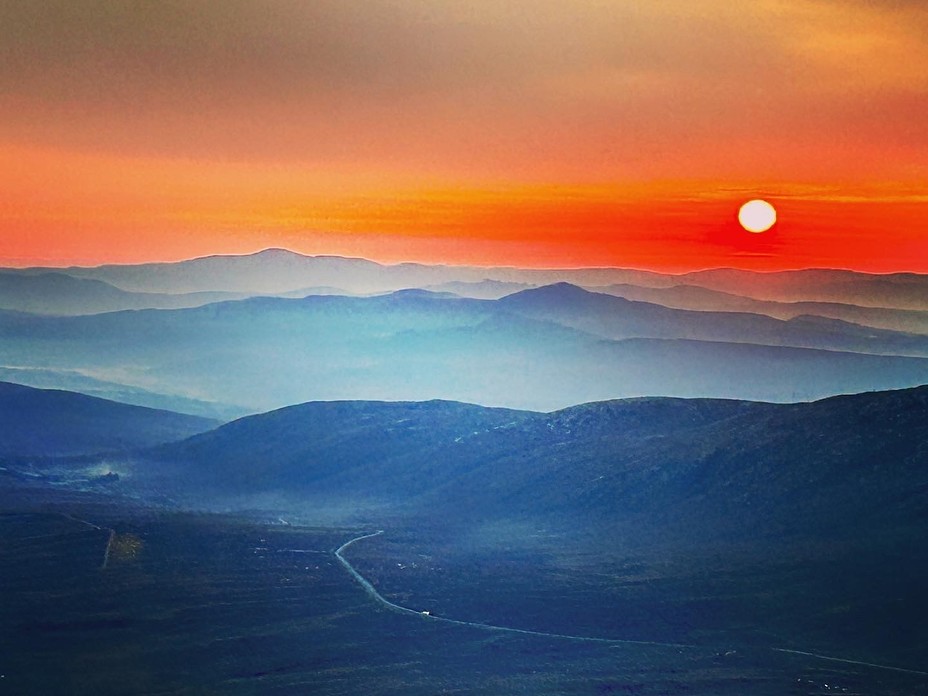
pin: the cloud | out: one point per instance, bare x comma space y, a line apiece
492, 88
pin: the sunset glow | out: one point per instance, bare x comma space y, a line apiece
484, 133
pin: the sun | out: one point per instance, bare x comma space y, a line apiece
757, 216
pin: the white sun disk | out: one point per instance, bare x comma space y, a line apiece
757, 216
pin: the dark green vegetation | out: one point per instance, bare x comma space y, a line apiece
49, 423
208, 604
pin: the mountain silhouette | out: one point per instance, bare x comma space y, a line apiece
671, 469
49, 423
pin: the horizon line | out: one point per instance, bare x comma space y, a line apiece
789, 269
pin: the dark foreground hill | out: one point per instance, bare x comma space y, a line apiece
369, 450
662, 467
49, 423
782, 543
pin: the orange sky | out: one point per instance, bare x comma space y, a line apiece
550, 133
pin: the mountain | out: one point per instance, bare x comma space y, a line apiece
894, 290
317, 290
842, 465
614, 317
334, 447
76, 381
482, 290
702, 299
275, 271
279, 271
680, 469
267, 272
51, 423
59, 293
541, 349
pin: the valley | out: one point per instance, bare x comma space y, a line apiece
544, 489
240, 603
463, 348
414, 547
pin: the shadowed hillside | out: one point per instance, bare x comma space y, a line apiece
48, 423
669, 467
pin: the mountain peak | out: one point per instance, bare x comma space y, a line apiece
554, 291
277, 251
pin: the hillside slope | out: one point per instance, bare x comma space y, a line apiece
677, 467
50, 423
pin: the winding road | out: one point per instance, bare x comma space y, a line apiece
380, 599
374, 594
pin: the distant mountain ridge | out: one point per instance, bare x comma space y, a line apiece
372, 331
897, 290
61, 293
76, 381
703, 299
274, 271
539, 349
617, 318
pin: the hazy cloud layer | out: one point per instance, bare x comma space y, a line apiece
598, 88
621, 132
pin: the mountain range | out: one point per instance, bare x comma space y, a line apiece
282, 272
651, 470
670, 469
720, 457
61, 293
733, 525
538, 349
703, 299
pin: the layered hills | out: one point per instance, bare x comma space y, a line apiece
593, 452
538, 349
703, 299
282, 272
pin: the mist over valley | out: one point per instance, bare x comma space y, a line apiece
279, 464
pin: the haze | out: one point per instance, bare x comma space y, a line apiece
550, 133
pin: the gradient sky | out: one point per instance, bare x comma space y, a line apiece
542, 133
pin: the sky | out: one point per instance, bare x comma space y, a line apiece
545, 133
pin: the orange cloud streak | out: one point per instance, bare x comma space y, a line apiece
66, 208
